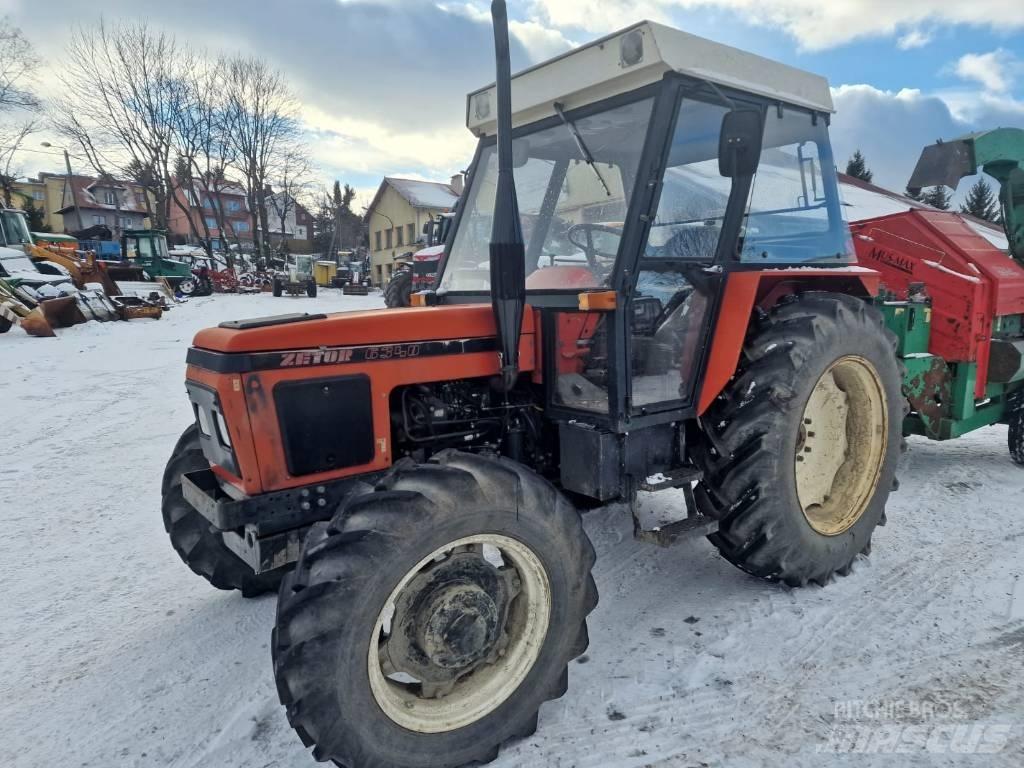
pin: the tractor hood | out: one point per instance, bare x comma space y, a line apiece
352, 329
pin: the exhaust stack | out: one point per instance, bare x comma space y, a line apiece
507, 252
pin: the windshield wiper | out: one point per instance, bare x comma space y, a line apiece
584, 152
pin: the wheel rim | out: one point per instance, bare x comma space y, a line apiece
187, 287
841, 445
459, 634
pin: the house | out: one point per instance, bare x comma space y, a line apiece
89, 202
296, 229
193, 216
396, 216
45, 192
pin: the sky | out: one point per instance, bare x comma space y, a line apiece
382, 83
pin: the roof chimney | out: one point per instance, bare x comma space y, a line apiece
458, 183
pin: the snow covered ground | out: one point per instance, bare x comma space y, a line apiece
114, 654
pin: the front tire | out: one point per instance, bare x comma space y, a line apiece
199, 546
398, 291
801, 448
400, 587
276, 288
187, 287
311, 289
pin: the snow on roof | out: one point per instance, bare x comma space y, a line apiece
423, 194
131, 196
862, 200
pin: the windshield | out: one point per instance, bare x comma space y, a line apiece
572, 212
15, 229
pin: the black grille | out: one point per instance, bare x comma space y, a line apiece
326, 424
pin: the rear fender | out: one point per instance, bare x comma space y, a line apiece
745, 291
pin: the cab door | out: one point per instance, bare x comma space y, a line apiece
677, 278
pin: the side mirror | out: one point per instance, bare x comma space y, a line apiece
739, 144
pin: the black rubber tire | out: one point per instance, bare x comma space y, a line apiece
311, 289
751, 434
276, 287
197, 543
347, 570
398, 292
1015, 436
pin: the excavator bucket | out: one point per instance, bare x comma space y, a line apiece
36, 324
61, 312
943, 165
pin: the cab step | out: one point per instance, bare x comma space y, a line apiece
663, 532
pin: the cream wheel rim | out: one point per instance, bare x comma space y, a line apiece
841, 445
488, 686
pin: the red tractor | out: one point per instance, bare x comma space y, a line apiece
420, 272
684, 313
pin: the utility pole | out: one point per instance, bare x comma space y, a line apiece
70, 181
74, 197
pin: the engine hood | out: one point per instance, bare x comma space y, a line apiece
303, 332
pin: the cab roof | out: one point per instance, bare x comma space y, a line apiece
637, 56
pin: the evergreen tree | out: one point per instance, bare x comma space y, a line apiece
858, 168
981, 201
36, 217
914, 195
937, 197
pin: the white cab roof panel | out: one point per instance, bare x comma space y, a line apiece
634, 57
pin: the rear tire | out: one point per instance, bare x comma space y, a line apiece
398, 292
311, 289
197, 543
329, 641
1015, 436
817, 352
276, 287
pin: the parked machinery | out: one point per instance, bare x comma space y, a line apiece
640, 316
954, 300
296, 278
419, 273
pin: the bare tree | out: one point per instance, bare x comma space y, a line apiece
18, 64
122, 90
261, 114
11, 140
204, 144
292, 180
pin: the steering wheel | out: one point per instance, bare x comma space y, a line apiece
606, 247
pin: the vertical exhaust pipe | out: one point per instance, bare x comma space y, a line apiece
507, 252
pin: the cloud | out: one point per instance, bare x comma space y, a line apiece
995, 70
541, 41
815, 24
915, 38
890, 128
382, 83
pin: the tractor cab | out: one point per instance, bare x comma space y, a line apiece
146, 251
663, 164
